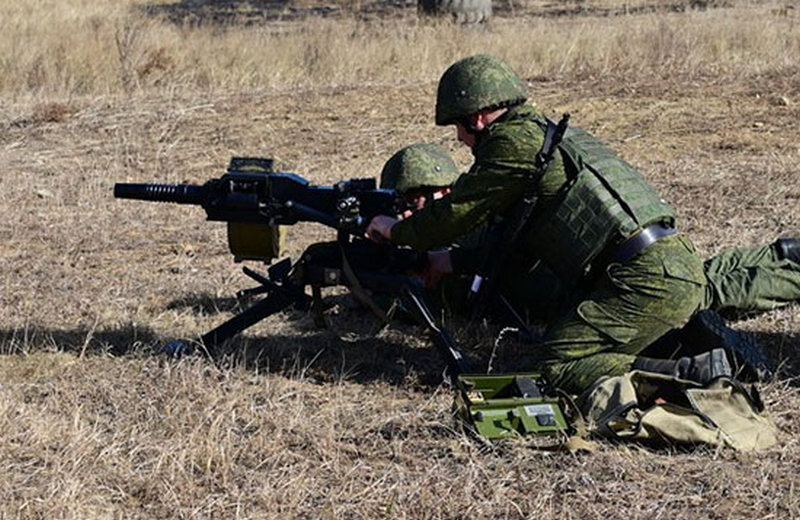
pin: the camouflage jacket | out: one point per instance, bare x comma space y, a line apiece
489, 191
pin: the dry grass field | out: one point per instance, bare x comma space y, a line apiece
349, 421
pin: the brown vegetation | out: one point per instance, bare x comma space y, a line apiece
346, 422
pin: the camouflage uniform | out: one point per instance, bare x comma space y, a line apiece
626, 306
751, 279
740, 279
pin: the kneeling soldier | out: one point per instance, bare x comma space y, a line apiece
597, 223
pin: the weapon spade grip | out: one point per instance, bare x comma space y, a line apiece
177, 193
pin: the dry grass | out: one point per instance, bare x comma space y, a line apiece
68, 48
347, 422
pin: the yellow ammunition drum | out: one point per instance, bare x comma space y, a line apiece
254, 241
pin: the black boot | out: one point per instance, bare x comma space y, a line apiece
708, 330
702, 368
788, 249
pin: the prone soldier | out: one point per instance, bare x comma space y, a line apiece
739, 280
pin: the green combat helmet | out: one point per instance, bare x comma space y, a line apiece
475, 83
418, 166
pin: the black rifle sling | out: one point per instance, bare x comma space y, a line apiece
485, 285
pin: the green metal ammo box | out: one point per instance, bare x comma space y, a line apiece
508, 405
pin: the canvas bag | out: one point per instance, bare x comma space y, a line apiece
663, 410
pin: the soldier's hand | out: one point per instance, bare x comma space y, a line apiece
439, 264
380, 228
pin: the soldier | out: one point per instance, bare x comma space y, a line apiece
424, 172
421, 172
597, 223
739, 280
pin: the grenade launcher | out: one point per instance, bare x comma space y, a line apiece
256, 203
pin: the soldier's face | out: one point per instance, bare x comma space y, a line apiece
467, 129
464, 135
416, 199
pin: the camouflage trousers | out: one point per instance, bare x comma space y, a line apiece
750, 279
741, 279
625, 310
599, 331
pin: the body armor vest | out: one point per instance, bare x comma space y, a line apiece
604, 202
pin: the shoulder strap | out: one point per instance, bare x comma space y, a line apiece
484, 283
553, 134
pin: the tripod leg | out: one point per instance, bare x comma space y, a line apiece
456, 363
316, 306
275, 302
